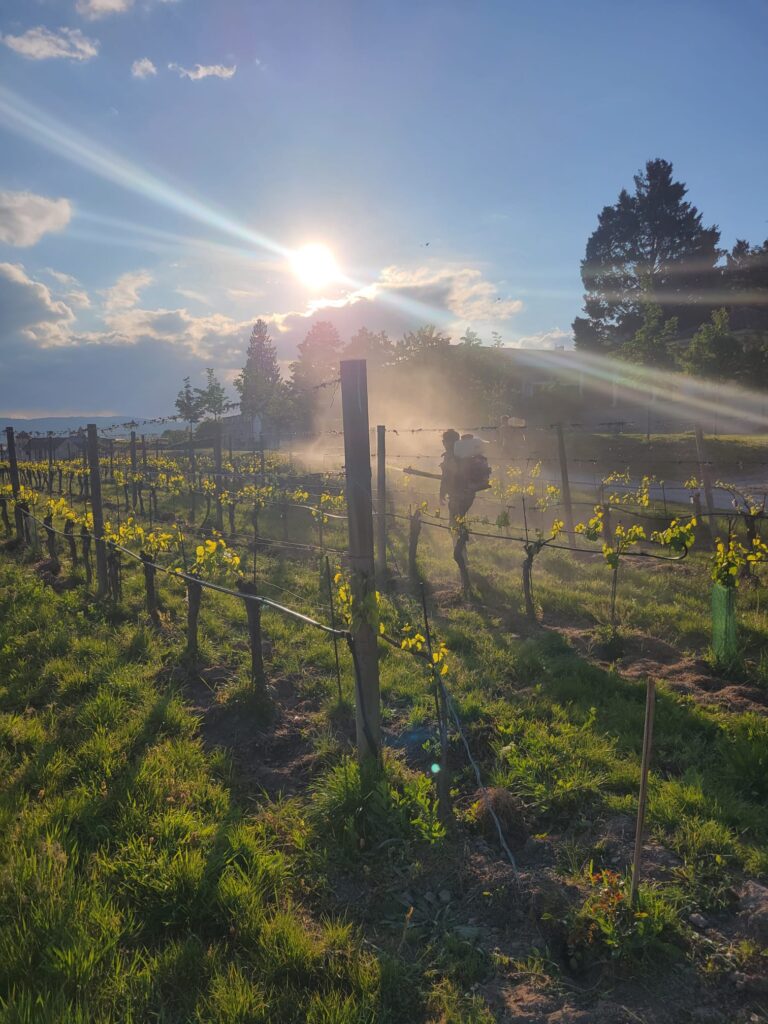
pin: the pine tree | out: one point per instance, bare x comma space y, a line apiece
259, 383
654, 235
318, 363
318, 357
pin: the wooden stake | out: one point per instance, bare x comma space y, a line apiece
51, 540
151, 589
98, 514
18, 515
69, 533
650, 700
253, 613
357, 460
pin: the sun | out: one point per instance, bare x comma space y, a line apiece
315, 265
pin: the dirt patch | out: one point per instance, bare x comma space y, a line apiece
647, 656
271, 749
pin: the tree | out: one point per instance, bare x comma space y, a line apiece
417, 343
212, 398
746, 284
713, 351
470, 339
652, 343
189, 403
653, 235
259, 383
496, 340
317, 364
376, 347
318, 357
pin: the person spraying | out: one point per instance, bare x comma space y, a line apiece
464, 471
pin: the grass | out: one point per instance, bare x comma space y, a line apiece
143, 878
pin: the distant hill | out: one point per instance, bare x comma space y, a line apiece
62, 424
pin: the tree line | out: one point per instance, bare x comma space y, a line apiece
290, 404
659, 289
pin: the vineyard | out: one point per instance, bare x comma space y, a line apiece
259, 769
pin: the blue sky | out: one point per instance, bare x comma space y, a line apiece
162, 159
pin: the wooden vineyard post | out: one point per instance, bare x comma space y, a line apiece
98, 514
381, 505
50, 536
650, 702
4, 515
69, 533
14, 471
217, 476
194, 594
113, 572
151, 589
413, 544
565, 486
134, 488
85, 539
144, 453
530, 606
357, 460
253, 613
18, 515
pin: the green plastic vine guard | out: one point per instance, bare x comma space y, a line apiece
724, 642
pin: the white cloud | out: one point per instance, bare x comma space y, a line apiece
214, 337
28, 308
42, 44
554, 338
204, 71
190, 293
124, 293
25, 217
143, 68
94, 9
465, 292
244, 294
60, 277
451, 297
